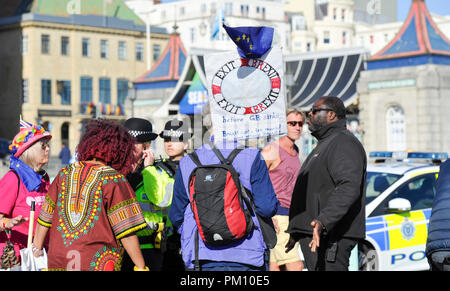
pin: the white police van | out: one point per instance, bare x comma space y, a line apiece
399, 195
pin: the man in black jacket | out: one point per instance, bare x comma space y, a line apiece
327, 213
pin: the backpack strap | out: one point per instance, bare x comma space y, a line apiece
196, 260
231, 156
195, 159
220, 156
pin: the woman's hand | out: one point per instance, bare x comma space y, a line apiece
12, 222
148, 157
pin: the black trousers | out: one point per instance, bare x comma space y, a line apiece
439, 261
332, 255
153, 259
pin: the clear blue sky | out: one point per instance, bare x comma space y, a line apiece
441, 7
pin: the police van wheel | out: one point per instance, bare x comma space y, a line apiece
367, 257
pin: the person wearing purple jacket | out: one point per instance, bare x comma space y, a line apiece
249, 254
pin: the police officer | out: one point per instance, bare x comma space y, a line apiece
142, 130
162, 175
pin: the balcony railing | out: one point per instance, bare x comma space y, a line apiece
90, 108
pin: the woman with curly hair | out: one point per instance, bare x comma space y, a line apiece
90, 211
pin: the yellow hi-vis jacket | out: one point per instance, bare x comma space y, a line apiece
154, 195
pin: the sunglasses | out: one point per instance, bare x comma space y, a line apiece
294, 123
44, 144
315, 110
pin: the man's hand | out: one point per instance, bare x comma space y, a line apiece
290, 245
317, 231
275, 225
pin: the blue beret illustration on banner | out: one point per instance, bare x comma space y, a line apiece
245, 86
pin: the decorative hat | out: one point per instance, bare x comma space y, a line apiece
175, 130
27, 136
141, 129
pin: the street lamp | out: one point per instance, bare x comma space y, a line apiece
202, 28
148, 36
132, 97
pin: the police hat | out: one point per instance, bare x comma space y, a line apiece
175, 130
141, 129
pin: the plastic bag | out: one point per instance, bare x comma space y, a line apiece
31, 263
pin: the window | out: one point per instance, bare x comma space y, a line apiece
308, 47
122, 50
192, 33
156, 51
86, 89
244, 10
371, 39
182, 10
122, 91
334, 13
377, 183
45, 44
64, 45
139, 51
418, 191
326, 37
25, 91
86, 47
298, 22
228, 8
46, 91
105, 90
263, 13
343, 15
24, 45
395, 129
63, 88
104, 51
203, 8
344, 37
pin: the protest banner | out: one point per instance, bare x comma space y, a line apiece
246, 95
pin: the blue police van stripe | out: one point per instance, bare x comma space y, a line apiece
376, 228
427, 214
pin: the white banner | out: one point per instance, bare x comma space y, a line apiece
246, 96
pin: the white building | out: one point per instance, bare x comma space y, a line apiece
404, 92
198, 19
318, 25
300, 25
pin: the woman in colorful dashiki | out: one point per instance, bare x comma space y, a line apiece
91, 212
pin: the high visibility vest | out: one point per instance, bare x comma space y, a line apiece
154, 195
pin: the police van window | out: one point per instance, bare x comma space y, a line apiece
419, 191
377, 183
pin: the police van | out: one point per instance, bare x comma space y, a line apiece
399, 195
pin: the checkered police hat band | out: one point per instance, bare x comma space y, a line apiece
136, 133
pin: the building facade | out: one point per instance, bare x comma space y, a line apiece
200, 21
65, 69
404, 93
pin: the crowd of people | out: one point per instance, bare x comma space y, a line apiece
119, 207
